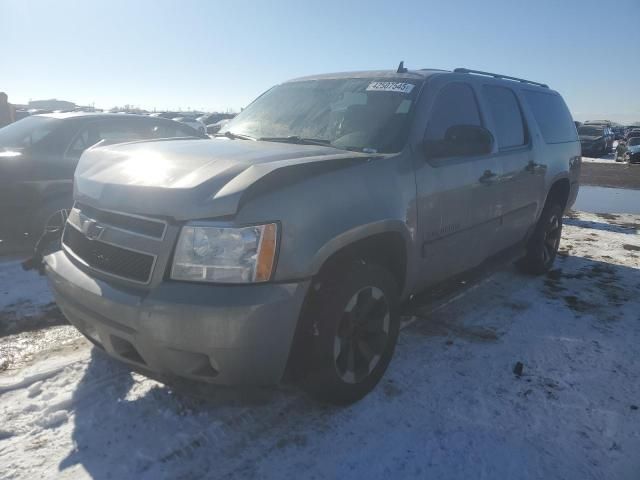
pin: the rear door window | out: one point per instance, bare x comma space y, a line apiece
552, 116
507, 116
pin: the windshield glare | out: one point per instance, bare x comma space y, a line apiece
361, 114
28, 132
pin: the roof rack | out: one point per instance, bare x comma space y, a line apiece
497, 75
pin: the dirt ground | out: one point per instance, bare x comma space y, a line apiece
610, 175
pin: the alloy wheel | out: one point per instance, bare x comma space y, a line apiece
362, 335
551, 240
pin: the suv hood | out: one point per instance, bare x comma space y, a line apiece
590, 138
188, 179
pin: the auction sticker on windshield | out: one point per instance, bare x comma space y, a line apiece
390, 87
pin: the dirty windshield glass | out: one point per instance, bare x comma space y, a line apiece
591, 131
362, 114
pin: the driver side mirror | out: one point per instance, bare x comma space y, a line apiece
461, 141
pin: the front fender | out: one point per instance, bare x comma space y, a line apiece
361, 232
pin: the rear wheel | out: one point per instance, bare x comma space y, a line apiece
356, 321
542, 247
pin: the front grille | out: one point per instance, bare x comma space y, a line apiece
137, 225
109, 258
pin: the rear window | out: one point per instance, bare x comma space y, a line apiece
552, 116
507, 117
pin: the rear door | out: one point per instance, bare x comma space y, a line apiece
522, 177
458, 199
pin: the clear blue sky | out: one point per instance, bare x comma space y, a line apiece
221, 54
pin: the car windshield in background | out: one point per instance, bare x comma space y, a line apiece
634, 141
28, 132
591, 131
361, 114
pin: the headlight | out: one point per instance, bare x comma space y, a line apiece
224, 254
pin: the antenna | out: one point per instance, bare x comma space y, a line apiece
401, 68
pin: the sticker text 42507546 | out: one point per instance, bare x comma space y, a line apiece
398, 87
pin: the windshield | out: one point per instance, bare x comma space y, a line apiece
590, 131
28, 132
361, 114
634, 141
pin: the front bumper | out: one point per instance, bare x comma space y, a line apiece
238, 334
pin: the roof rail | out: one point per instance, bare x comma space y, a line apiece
497, 75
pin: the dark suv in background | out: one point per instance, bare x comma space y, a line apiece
39, 154
593, 140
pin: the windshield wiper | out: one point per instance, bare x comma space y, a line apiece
299, 140
234, 136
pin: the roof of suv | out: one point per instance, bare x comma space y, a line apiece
390, 74
421, 74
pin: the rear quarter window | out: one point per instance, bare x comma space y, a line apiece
552, 116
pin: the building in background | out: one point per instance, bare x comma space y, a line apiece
51, 104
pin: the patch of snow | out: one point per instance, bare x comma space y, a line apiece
23, 293
449, 406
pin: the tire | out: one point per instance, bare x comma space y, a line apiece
355, 322
542, 247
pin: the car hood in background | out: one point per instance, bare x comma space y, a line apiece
185, 179
590, 138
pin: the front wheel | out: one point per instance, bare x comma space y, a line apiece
355, 319
542, 247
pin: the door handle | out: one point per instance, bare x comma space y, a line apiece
487, 177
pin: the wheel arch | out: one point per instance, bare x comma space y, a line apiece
385, 243
560, 190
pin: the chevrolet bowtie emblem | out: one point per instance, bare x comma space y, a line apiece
92, 229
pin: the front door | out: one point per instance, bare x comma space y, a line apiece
458, 199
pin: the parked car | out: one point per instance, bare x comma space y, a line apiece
632, 132
167, 115
287, 243
216, 127
212, 118
618, 131
193, 123
593, 140
39, 153
608, 128
20, 114
629, 151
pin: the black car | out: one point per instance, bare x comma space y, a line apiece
632, 132
593, 139
629, 151
38, 156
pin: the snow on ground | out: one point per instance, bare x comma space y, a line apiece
26, 306
449, 407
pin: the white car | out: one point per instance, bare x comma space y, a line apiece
192, 122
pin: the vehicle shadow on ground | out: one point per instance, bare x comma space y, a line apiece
12, 322
612, 226
127, 427
165, 422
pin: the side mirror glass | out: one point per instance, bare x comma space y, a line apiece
461, 141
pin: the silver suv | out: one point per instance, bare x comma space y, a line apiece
288, 243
